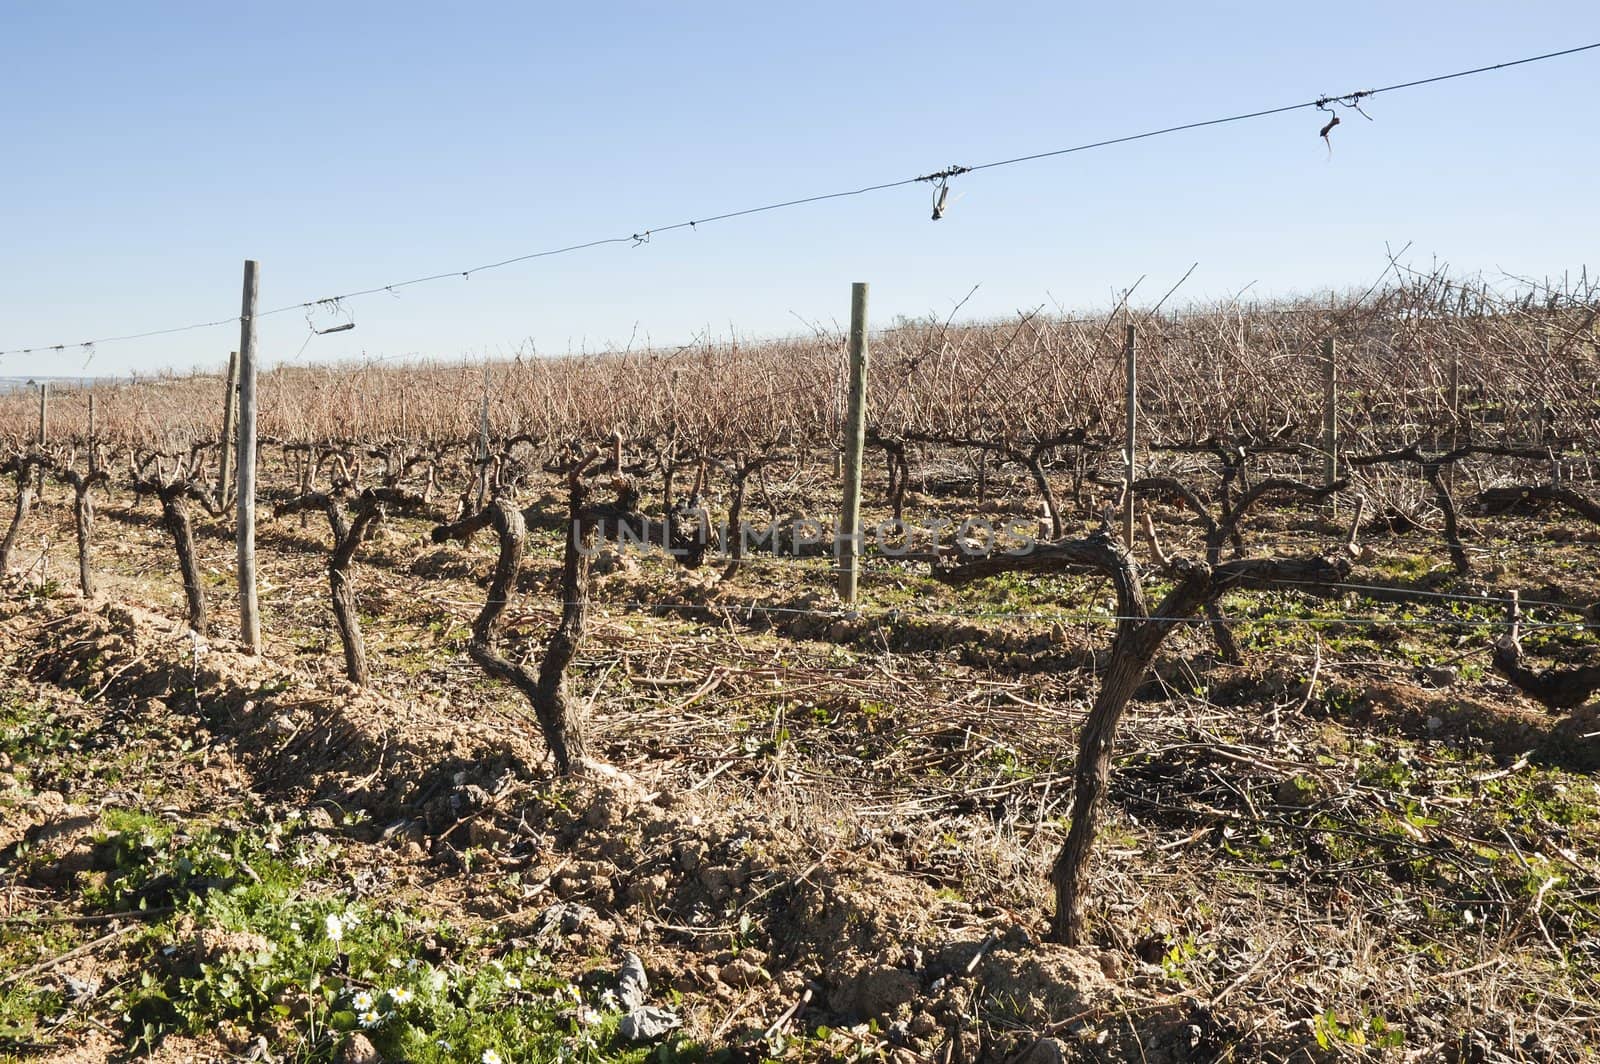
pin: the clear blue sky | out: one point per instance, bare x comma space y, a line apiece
150, 148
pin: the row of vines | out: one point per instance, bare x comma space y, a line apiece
1452, 400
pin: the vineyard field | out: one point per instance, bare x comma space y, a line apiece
556, 686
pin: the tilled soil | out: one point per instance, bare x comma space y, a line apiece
831, 839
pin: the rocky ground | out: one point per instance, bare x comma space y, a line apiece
822, 834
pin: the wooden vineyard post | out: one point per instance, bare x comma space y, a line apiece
848, 540
1330, 415
249, 605
1541, 424
483, 442
1455, 411
230, 412
1130, 434
93, 460
44, 428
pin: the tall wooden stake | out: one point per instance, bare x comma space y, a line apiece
1455, 412
230, 412
44, 427
848, 540
483, 442
1330, 413
249, 605
1130, 435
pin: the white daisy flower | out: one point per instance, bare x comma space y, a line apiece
333, 927
513, 982
369, 1018
491, 1057
361, 1001
401, 995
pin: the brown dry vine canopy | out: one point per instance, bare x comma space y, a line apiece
1422, 360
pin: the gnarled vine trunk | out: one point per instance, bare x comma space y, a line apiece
1138, 639
175, 519
24, 467
545, 689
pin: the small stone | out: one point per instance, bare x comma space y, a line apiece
358, 1050
1442, 677
741, 974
